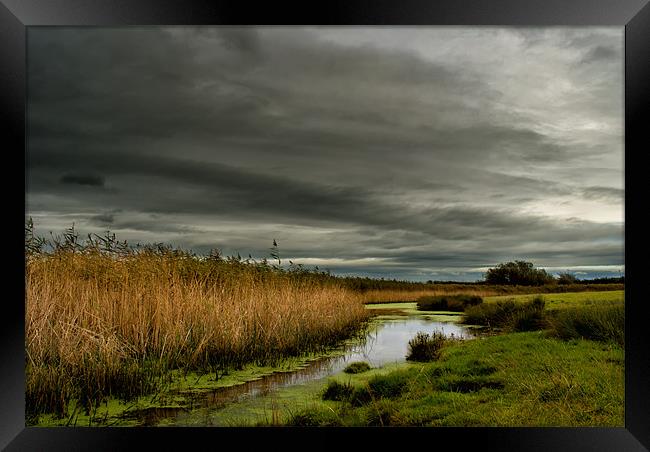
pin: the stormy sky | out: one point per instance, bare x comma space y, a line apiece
400, 152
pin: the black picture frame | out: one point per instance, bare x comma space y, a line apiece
634, 15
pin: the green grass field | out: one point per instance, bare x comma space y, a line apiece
565, 300
519, 379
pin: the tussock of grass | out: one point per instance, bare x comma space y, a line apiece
314, 418
388, 386
604, 323
378, 387
383, 413
508, 315
456, 303
469, 384
425, 347
337, 391
357, 367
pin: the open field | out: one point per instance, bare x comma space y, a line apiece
566, 300
489, 292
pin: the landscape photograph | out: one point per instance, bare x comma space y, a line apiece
325, 226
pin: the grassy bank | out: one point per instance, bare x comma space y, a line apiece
566, 300
104, 325
599, 317
518, 379
558, 361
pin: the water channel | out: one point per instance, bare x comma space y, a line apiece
386, 344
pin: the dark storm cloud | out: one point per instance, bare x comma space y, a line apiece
600, 53
245, 41
245, 132
103, 219
302, 100
83, 179
227, 186
604, 193
236, 193
152, 224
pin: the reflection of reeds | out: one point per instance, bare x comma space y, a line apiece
99, 324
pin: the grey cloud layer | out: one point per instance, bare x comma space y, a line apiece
182, 133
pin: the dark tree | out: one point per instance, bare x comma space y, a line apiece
517, 273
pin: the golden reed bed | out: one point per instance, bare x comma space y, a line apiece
99, 325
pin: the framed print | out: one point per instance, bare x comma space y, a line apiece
348, 220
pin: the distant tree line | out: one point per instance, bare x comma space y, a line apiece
523, 273
363, 284
617, 280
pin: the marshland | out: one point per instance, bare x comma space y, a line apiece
153, 335
433, 218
